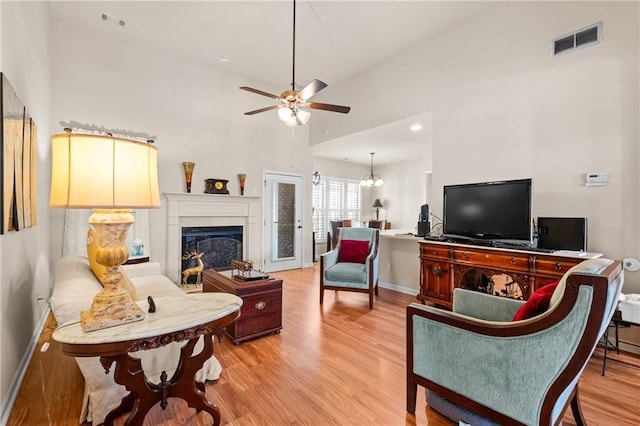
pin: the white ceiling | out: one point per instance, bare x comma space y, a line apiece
335, 40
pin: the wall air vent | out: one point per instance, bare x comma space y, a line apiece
582, 38
113, 19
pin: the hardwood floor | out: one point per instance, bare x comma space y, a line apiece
340, 364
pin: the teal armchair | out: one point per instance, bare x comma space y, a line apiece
350, 276
479, 363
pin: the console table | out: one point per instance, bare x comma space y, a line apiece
177, 318
445, 266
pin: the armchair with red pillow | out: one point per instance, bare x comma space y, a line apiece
353, 264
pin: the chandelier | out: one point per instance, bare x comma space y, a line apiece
371, 179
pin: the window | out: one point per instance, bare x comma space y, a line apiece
334, 199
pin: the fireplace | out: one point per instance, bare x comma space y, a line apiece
235, 218
219, 245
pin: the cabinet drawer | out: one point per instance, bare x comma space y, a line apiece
434, 251
499, 260
261, 305
554, 267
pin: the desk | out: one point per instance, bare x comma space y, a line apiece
177, 318
399, 264
617, 322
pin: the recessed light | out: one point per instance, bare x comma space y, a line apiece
223, 58
415, 127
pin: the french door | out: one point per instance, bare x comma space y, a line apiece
282, 221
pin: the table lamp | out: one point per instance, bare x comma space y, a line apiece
111, 175
377, 204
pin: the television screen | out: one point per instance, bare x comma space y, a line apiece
489, 210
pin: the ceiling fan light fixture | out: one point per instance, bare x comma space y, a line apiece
294, 108
296, 116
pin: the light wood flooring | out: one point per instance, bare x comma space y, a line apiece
340, 364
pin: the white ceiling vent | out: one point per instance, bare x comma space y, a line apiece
582, 38
113, 19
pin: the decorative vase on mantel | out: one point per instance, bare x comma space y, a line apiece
241, 178
188, 173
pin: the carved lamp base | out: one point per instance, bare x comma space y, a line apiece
110, 309
113, 305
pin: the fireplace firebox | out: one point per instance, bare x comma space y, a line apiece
219, 245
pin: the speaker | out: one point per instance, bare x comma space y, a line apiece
424, 213
424, 228
562, 233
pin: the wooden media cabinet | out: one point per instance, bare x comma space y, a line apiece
445, 266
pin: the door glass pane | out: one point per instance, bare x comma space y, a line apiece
284, 214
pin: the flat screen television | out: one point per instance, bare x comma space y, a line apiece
489, 210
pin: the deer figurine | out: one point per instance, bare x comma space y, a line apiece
196, 270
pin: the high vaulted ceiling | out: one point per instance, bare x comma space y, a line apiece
335, 40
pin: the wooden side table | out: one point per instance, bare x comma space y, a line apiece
261, 311
177, 319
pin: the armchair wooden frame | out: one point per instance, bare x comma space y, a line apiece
334, 230
600, 284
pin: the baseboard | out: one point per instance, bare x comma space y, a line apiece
10, 399
399, 288
307, 265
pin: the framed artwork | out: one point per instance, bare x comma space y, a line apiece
18, 161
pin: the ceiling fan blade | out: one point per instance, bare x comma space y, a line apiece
311, 89
256, 111
329, 107
260, 92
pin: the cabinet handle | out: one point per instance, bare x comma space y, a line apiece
558, 266
260, 306
513, 260
435, 252
465, 255
436, 270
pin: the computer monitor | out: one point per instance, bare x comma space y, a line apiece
562, 233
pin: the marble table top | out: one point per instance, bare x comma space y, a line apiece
173, 313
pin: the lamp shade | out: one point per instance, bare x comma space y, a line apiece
95, 171
377, 204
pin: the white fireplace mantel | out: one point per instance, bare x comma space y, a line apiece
185, 209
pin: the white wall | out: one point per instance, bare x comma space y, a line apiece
195, 111
503, 109
403, 192
24, 255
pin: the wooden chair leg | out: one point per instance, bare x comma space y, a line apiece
412, 390
576, 409
322, 278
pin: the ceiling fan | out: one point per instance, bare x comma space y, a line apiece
293, 107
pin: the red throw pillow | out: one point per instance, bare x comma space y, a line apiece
354, 251
537, 303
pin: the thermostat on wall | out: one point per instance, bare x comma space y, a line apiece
597, 179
